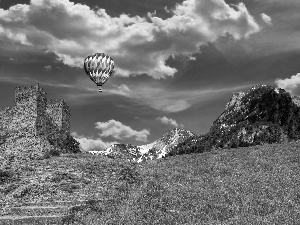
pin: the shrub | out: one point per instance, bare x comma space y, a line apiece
71, 145
3, 136
52, 152
5, 176
6, 189
69, 187
58, 176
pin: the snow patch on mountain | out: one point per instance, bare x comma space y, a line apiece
145, 148
168, 142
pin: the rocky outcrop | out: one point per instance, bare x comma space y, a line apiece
167, 143
263, 114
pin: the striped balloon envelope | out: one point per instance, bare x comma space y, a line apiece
99, 68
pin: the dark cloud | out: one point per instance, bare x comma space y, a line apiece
6, 4
133, 7
284, 33
227, 63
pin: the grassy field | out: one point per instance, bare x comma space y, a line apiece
253, 185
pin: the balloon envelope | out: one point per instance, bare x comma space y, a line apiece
99, 67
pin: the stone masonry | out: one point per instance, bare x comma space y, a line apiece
34, 125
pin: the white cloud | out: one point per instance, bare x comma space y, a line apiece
89, 144
169, 104
169, 121
120, 131
167, 10
76, 135
122, 89
267, 19
289, 84
48, 67
73, 31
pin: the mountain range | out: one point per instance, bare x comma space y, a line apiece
155, 150
263, 114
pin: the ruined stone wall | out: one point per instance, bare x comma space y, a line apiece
58, 113
29, 110
35, 115
54, 111
34, 123
41, 104
66, 114
5, 118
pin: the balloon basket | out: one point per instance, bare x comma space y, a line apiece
100, 90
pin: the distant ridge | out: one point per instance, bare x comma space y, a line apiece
263, 114
155, 150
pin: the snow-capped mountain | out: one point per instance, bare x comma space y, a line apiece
155, 150
145, 148
167, 143
124, 151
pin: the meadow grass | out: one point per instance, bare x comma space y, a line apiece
251, 185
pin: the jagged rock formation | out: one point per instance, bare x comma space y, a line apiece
156, 150
167, 143
187, 146
263, 114
34, 126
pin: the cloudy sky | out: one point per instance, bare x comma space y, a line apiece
177, 62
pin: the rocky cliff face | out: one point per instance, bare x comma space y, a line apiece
263, 114
158, 149
167, 143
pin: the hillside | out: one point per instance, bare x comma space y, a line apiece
249, 185
263, 114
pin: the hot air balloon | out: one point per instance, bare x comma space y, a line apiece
99, 67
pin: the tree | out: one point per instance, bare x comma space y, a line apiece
71, 145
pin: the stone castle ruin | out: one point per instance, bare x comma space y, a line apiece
34, 125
